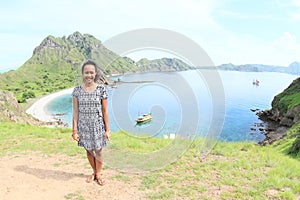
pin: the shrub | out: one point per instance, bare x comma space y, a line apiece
27, 95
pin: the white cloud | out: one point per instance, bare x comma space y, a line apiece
291, 7
295, 16
297, 3
286, 41
286, 48
249, 49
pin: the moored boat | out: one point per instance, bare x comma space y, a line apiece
144, 118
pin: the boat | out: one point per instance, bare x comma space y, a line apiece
144, 118
255, 82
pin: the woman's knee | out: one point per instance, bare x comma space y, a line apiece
98, 154
89, 153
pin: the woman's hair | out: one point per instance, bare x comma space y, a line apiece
99, 78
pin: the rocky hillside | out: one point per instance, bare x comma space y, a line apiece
11, 111
284, 114
56, 62
286, 105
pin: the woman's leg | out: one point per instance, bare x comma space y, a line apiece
98, 163
92, 162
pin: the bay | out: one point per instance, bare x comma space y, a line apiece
182, 103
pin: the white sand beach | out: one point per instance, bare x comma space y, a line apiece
38, 111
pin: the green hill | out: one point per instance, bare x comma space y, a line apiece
56, 62
55, 65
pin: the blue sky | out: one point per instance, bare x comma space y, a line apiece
230, 31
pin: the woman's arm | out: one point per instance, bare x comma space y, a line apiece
105, 118
75, 120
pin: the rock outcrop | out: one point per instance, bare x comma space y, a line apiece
285, 113
10, 110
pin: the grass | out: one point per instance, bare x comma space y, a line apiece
74, 196
132, 143
288, 144
122, 177
289, 98
20, 138
238, 170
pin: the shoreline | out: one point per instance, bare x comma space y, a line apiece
37, 109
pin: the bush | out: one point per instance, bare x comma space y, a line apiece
21, 100
27, 95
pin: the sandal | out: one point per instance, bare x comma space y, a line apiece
99, 181
91, 178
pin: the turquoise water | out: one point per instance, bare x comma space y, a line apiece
182, 103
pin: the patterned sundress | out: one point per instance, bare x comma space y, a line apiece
90, 125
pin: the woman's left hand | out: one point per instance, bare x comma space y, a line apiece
107, 135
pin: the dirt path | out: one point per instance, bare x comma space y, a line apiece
60, 177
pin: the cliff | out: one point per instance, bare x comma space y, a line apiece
286, 106
284, 114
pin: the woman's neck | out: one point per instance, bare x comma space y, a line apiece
89, 84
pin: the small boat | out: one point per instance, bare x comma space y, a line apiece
255, 82
144, 118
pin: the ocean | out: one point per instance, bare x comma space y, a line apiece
188, 103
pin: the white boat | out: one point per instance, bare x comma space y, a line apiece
144, 118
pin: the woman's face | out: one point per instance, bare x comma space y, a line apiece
89, 73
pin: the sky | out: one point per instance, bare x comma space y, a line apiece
229, 31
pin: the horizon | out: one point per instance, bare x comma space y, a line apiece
229, 31
4, 70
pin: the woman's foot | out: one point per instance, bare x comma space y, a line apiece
99, 180
91, 178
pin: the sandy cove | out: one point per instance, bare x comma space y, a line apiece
38, 109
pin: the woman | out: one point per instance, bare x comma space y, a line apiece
90, 118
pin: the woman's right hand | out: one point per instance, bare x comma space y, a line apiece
75, 136
107, 135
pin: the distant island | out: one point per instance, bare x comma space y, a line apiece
293, 68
